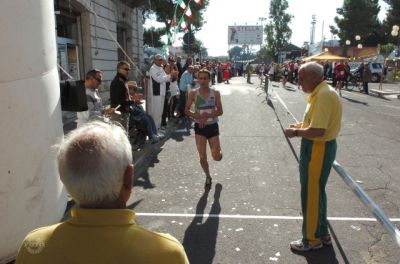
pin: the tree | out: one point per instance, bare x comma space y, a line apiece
277, 29
243, 53
164, 10
385, 50
152, 37
358, 17
392, 18
193, 48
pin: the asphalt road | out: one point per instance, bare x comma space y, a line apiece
255, 199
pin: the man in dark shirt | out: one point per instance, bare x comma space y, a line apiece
119, 94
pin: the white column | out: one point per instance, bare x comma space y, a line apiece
31, 194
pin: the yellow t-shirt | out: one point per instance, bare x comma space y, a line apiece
100, 236
324, 110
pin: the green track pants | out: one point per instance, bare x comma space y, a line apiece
316, 159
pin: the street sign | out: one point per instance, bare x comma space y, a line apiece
188, 38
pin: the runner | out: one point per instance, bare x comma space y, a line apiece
340, 71
208, 107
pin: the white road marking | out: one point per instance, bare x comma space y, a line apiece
275, 217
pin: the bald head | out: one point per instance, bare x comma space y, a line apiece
310, 75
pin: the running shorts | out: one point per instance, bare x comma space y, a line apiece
208, 131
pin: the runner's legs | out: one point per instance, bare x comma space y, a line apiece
201, 143
215, 148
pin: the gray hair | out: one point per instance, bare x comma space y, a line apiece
92, 161
313, 68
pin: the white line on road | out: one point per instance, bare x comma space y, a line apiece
276, 217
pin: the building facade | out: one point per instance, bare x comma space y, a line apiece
87, 35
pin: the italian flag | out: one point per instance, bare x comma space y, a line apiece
188, 12
182, 4
198, 2
183, 25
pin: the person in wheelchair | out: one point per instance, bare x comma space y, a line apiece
141, 122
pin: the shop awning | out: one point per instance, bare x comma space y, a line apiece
325, 57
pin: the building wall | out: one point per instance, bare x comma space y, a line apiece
102, 51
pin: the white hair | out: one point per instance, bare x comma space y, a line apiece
314, 69
92, 161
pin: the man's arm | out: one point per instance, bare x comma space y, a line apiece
309, 132
160, 76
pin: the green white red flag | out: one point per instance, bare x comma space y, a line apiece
188, 12
182, 4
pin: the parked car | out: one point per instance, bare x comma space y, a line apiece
376, 70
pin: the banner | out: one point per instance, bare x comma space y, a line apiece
242, 35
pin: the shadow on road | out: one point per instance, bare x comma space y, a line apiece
354, 100
142, 177
181, 130
201, 238
324, 255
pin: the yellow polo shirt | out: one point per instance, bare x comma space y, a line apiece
324, 110
100, 236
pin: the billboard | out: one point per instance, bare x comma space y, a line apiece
242, 35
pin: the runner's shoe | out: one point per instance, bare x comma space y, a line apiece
298, 245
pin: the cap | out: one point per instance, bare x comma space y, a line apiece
158, 57
132, 84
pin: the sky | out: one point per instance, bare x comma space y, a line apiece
222, 13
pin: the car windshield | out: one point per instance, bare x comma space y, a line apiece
376, 66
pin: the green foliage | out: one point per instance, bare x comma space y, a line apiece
385, 50
194, 48
243, 53
152, 37
393, 18
277, 30
358, 17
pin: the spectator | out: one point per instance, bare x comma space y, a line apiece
157, 88
179, 66
318, 132
186, 81
96, 110
119, 94
366, 77
95, 165
139, 115
226, 73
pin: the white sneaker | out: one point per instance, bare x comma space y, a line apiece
298, 245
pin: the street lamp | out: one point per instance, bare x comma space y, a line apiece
348, 42
357, 37
359, 46
395, 33
262, 19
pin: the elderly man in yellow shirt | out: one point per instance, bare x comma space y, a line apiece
95, 165
319, 129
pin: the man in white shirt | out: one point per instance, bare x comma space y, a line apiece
157, 88
96, 110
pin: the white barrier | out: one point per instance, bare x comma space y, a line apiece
31, 194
